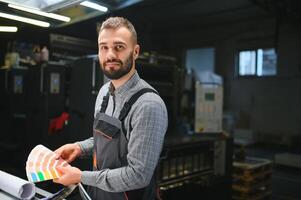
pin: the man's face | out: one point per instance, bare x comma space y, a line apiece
117, 52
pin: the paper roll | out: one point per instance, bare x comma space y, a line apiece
16, 186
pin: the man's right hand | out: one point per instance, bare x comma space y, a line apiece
68, 152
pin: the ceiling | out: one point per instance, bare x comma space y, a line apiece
68, 8
159, 15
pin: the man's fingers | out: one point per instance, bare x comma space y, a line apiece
69, 175
57, 156
59, 181
68, 152
71, 157
56, 180
58, 153
59, 168
62, 169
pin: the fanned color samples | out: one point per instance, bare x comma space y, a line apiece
41, 164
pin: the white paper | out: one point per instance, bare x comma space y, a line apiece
16, 186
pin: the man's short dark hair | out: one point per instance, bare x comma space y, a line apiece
117, 22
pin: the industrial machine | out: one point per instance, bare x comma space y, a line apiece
13, 115
198, 164
30, 97
165, 77
86, 79
85, 82
4, 102
46, 101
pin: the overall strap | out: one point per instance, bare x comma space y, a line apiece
148, 192
128, 105
104, 103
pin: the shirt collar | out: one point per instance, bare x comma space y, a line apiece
127, 85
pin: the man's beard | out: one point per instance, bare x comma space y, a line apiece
124, 69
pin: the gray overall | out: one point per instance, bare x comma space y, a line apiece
110, 150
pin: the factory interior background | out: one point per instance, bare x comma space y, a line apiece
229, 73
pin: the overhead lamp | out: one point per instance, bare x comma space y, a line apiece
94, 6
25, 19
38, 12
8, 29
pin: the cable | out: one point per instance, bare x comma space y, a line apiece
83, 192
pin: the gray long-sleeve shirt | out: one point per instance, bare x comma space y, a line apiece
148, 120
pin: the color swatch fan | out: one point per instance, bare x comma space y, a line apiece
41, 164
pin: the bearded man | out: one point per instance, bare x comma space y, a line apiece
130, 122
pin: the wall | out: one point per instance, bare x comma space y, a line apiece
271, 106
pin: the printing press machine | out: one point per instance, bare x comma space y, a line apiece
198, 165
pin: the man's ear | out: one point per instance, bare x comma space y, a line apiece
136, 51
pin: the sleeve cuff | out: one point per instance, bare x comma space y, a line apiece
86, 148
88, 178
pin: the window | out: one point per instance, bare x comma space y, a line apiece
200, 59
259, 62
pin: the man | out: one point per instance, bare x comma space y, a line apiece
129, 126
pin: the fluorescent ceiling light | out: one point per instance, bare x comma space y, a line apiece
94, 6
25, 19
38, 12
8, 29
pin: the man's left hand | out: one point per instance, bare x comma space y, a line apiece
71, 175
